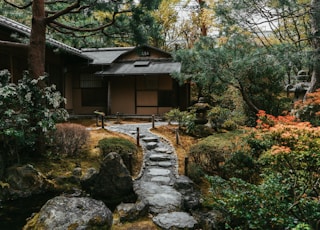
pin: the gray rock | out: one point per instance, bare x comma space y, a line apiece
77, 172
62, 213
150, 139
210, 219
190, 194
89, 173
151, 145
25, 181
113, 183
158, 172
159, 157
132, 211
160, 198
175, 220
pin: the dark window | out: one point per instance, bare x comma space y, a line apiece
90, 81
94, 97
165, 98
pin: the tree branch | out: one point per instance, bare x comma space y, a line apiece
19, 7
66, 10
53, 24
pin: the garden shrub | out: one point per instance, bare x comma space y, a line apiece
309, 108
28, 114
185, 119
241, 165
121, 146
195, 172
69, 138
287, 194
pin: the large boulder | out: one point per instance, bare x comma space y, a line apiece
24, 181
63, 212
113, 183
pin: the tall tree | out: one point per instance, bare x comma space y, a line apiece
53, 14
274, 22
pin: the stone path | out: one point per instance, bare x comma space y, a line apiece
168, 195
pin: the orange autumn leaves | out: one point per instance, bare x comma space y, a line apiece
287, 133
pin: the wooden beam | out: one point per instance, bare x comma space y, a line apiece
13, 44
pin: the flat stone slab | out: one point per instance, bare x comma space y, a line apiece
163, 150
161, 198
165, 164
159, 157
161, 179
151, 145
175, 220
158, 172
150, 139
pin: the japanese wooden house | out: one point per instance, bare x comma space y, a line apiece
126, 80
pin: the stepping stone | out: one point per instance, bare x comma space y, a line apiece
162, 164
150, 139
165, 164
158, 172
164, 150
151, 145
161, 179
175, 220
159, 157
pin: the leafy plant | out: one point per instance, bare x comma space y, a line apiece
309, 108
184, 119
27, 114
287, 193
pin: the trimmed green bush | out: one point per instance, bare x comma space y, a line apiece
121, 146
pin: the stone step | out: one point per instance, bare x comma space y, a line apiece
162, 164
158, 172
175, 220
163, 180
150, 139
163, 150
159, 157
151, 145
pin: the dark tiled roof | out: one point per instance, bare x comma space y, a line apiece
151, 69
105, 56
25, 30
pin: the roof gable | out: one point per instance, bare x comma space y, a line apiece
144, 53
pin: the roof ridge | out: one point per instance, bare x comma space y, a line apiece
107, 49
12, 24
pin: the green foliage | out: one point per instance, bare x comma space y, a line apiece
241, 165
68, 138
184, 119
308, 109
218, 116
249, 206
195, 172
123, 147
253, 70
27, 112
286, 193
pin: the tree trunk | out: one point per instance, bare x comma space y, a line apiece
315, 33
37, 46
36, 58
